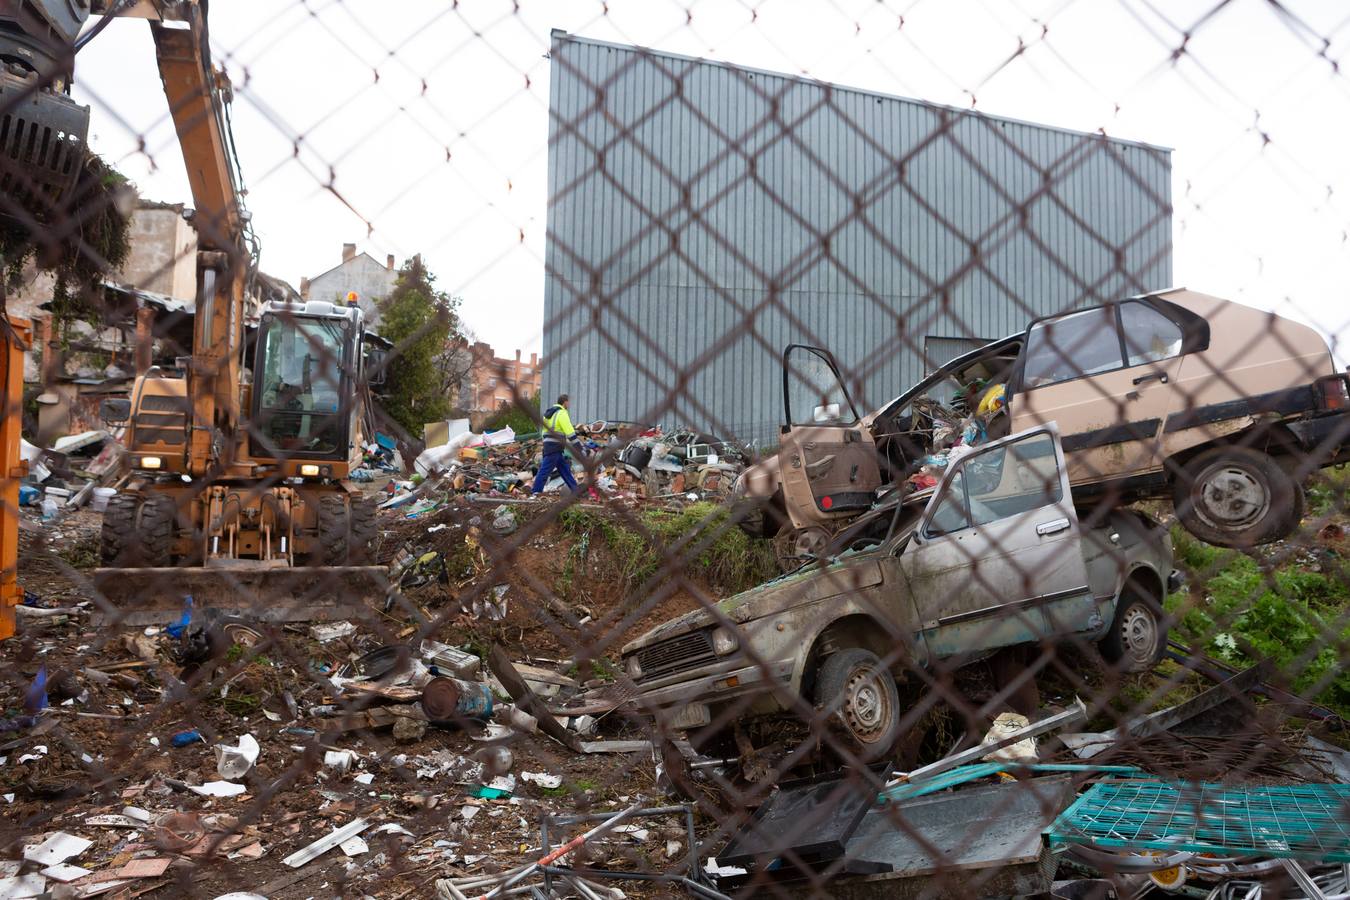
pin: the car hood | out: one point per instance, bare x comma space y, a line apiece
808, 585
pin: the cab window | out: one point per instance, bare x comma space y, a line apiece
995, 484
1083, 343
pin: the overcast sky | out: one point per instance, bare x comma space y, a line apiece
422, 126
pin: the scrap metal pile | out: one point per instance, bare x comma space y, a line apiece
615, 460
1034, 809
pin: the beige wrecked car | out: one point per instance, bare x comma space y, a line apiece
994, 557
1220, 407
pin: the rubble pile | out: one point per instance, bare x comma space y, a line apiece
294, 759
631, 464
78, 470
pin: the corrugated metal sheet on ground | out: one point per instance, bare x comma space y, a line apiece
1305, 821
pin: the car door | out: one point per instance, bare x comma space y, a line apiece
996, 559
827, 456
1106, 376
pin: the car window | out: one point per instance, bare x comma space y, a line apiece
1149, 335
994, 484
812, 391
1013, 479
1083, 343
950, 514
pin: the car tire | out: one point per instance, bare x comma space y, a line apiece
863, 700
1137, 639
1237, 497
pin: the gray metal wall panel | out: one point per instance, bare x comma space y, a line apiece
703, 216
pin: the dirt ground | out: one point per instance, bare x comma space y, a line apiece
119, 696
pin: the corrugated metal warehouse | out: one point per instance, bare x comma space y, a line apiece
702, 216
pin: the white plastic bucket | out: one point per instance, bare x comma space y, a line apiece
101, 497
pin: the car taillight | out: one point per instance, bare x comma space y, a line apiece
1334, 393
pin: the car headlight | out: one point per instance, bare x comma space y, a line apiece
150, 462
724, 641
633, 667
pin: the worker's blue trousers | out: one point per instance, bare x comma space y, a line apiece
554, 459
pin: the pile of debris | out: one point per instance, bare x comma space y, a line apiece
380, 456
1035, 810
78, 469
223, 754
631, 462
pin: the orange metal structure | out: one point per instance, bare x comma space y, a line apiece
15, 337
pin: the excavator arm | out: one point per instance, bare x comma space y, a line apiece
196, 94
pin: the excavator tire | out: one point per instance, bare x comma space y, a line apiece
154, 531
138, 531
362, 546
119, 529
335, 531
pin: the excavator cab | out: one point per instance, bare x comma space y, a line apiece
304, 370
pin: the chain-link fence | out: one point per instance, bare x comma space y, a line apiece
775, 569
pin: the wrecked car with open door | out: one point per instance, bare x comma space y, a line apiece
806, 492
994, 557
1223, 409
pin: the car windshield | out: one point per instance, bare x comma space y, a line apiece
298, 388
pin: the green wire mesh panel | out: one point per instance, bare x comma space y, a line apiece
1307, 821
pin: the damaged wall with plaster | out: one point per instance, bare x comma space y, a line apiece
703, 216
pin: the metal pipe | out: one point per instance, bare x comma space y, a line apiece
563, 850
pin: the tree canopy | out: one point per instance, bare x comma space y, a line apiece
421, 321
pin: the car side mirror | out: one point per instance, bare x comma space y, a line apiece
115, 411
827, 413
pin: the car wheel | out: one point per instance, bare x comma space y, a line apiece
863, 700
1138, 637
1237, 497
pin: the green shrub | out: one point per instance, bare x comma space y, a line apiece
522, 419
1294, 617
712, 548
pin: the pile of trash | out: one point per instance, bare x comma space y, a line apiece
379, 456
634, 462
1219, 796
76, 470
223, 754
955, 431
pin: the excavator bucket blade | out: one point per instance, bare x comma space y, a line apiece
138, 597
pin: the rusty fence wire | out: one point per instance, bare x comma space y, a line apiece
853, 597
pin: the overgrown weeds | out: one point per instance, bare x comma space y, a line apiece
1241, 612
702, 537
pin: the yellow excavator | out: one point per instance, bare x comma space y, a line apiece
240, 493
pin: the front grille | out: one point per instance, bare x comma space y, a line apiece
688, 651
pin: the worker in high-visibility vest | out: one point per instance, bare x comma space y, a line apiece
558, 431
